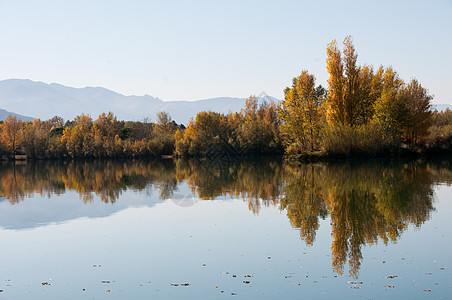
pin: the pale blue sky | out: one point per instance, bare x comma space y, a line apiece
181, 50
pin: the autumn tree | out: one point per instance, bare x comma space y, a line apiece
256, 127
418, 102
391, 114
299, 113
352, 89
36, 138
78, 139
106, 131
10, 135
335, 67
164, 123
352, 97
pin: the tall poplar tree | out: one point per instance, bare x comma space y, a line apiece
335, 67
352, 96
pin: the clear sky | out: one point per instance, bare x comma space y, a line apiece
189, 50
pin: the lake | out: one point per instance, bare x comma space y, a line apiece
198, 229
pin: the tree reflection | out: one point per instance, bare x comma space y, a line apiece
366, 202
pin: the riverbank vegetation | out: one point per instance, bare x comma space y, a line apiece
87, 138
364, 112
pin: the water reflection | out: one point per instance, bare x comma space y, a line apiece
365, 201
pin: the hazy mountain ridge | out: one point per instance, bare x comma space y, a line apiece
42, 100
47, 100
4, 114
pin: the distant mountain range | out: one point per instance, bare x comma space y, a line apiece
45, 101
4, 114
42, 100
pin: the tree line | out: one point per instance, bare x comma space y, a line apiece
364, 111
105, 137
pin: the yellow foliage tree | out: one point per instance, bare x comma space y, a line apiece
10, 135
299, 113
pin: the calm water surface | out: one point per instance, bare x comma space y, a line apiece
206, 230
